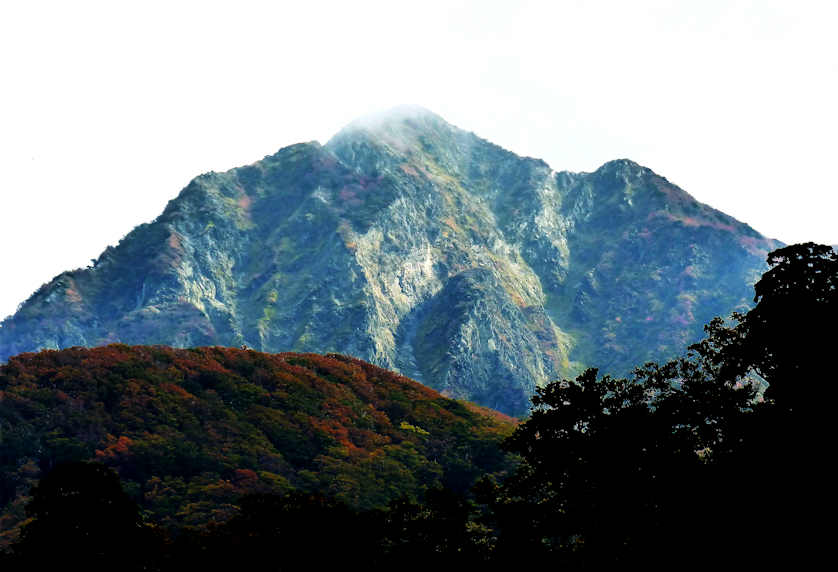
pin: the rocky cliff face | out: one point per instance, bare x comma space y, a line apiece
422, 248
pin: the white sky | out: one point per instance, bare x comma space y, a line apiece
107, 109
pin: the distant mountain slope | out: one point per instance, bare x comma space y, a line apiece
190, 431
422, 248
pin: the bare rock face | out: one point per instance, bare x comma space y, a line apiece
422, 248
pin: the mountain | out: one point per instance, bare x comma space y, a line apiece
422, 248
191, 431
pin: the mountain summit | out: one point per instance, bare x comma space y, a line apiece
423, 248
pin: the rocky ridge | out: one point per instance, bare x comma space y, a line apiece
419, 247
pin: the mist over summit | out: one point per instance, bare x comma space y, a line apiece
422, 248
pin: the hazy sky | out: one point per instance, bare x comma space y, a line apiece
108, 109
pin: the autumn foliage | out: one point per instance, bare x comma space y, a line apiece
190, 432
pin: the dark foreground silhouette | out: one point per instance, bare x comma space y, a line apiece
720, 458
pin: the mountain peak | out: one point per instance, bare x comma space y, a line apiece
399, 127
395, 117
618, 164
407, 133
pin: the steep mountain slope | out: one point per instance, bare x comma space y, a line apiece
419, 247
190, 431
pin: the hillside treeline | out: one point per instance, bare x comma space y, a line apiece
719, 458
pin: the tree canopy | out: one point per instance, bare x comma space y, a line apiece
80, 516
689, 456
786, 336
718, 458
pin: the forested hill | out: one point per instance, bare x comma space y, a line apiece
717, 456
192, 431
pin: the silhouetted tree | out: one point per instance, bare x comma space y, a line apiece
788, 333
81, 517
439, 532
683, 459
788, 339
297, 531
610, 465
